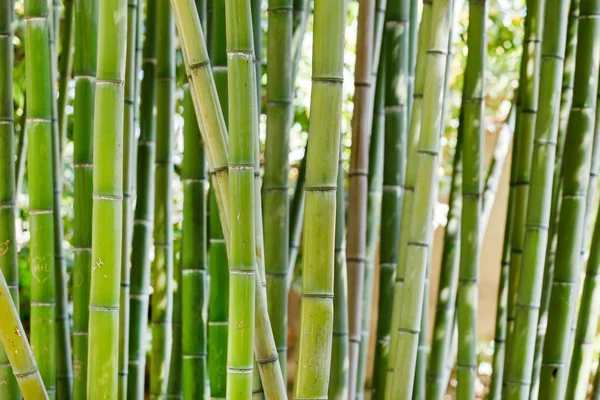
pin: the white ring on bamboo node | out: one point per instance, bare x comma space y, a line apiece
35, 18
218, 323
107, 197
242, 271
39, 120
40, 212
239, 370
104, 309
77, 249
193, 272
211, 240
6, 122
43, 304
83, 165
7, 206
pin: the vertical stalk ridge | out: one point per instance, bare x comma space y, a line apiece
9, 284
84, 69
41, 200
312, 375
129, 153
143, 219
362, 120
418, 245
107, 214
276, 198
338, 382
575, 179
565, 109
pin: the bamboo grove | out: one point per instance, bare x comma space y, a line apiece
165, 234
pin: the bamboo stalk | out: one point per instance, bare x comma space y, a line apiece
129, 154
143, 223
408, 304
66, 68
565, 108
575, 176
40, 167
312, 376
9, 284
107, 215
84, 68
21, 150
338, 382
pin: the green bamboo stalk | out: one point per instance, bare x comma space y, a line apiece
374, 206
587, 321
84, 68
575, 176
212, 129
9, 284
243, 126
312, 376
219, 275
143, 215
279, 118
129, 142
526, 120
408, 305
419, 390
107, 215
40, 168
64, 368
362, 120
338, 382
565, 108
519, 369
66, 67
406, 192
194, 301
162, 267
472, 191
21, 150
175, 383
413, 45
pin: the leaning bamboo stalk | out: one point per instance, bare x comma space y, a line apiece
408, 305
84, 68
9, 284
129, 142
565, 109
162, 267
279, 117
312, 376
358, 184
143, 222
338, 382
107, 214
41, 200
212, 129
575, 176
410, 166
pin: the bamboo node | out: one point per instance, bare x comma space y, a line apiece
107, 197
116, 82
30, 372
328, 79
437, 52
517, 382
320, 188
242, 271
104, 309
267, 360
39, 120
9, 205
280, 9
418, 244
242, 167
40, 212
43, 304
328, 296
552, 56
198, 356
527, 306
433, 153
233, 370
409, 331
82, 165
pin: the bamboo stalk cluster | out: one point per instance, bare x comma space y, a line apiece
215, 318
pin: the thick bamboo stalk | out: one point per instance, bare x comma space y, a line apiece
143, 222
362, 119
565, 109
408, 305
472, 191
129, 153
84, 68
519, 369
194, 258
107, 215
41, 200
9, 284
312, 376
219, 275
66, 67
526, 119
575, 176
276, 198
338, 382
407, 186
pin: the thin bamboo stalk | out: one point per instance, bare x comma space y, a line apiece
9, 284
84, 68
66, 68
408, 305
21, 150
107, 215
129, 153
338, 382
276, 198
312, 376
419, 390
565, 109
575, 177
41, 200
143, 223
